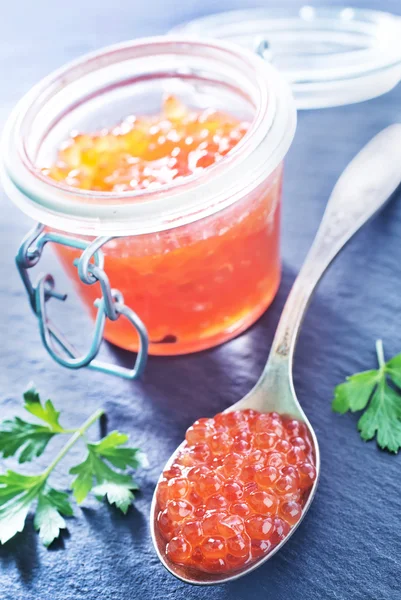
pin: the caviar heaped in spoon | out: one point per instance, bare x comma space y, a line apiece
362, 190
194, 286
235, 489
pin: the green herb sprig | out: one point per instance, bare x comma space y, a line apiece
105, 471
377, 393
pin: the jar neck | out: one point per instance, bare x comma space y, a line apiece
110, 75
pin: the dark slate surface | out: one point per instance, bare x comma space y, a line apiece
349, 546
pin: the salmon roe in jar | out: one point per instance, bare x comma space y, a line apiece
194, 286
182, 198
235, 490
147, 152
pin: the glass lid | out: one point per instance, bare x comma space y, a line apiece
331, 56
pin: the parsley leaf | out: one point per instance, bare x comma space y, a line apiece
104, 471
83, 483
48, 520
17, 492
119, 494
393, 369
94, 473
45, 412
382, 418
110, 448
372, 392
28, 440
355, 393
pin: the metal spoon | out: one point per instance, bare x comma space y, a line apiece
361, 191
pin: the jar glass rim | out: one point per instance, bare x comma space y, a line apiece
129, 213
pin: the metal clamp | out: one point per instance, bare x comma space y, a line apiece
90, 267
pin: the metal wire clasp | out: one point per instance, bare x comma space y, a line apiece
263, 49
111, 305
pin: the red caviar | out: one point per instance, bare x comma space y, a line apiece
193, 286
147, 152
247, 497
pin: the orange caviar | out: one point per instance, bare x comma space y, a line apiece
147, 152
235, 490
193, 286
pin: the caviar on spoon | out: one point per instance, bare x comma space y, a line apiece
214, 515
235, 490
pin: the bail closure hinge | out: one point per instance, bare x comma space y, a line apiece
90, 267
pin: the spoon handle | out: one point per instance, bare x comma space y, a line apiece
361, 191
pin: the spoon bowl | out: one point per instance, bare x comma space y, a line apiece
362, 190
197, 577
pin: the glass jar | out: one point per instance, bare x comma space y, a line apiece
197, 260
